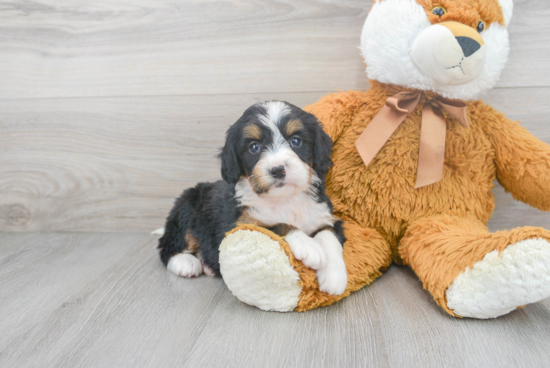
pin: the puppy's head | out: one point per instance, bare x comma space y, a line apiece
278, 148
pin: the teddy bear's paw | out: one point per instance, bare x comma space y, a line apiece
498, 284
185, 265
306, 249
258, 272
333, 279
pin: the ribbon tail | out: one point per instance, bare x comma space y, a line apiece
377, 133
457, 109
432, 147
384, 124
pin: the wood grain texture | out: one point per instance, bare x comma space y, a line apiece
149, 47
109, 109
173, 47
184, 72
104, 300
115, 164
112, 163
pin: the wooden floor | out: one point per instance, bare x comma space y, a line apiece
104, 300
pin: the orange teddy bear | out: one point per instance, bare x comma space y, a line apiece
415, 157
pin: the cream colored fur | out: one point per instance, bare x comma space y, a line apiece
389, 33
258, 273
500, 283
507, 8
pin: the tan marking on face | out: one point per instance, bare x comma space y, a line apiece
252, 131
192, 244
260, 181
293, 126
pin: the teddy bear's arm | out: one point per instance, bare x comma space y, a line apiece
522, 161
336, 111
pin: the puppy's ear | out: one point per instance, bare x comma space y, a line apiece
322, 148
231, 167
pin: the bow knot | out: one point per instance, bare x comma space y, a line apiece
432, 134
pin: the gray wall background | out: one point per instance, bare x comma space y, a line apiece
110, 108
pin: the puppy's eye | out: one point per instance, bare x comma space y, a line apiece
254, 148
481, 26
295, 142
439, 11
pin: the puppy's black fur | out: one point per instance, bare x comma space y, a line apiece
209, 210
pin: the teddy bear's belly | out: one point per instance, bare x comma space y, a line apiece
382, 195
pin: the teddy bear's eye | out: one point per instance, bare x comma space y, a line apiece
439, 11
481, 26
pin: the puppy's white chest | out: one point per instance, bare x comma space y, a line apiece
301, 211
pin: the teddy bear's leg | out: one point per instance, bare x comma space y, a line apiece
471, 272
260, 269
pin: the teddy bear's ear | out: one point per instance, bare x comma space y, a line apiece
507, 8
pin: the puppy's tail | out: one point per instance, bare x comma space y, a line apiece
159, 232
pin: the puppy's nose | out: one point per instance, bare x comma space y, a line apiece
469, 46
278, 172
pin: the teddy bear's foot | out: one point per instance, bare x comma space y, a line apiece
259, 267
258, 272
498, 284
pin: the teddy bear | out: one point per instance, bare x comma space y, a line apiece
414, 161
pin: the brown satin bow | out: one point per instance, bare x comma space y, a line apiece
432, 133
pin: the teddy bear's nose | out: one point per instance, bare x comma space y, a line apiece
469, 46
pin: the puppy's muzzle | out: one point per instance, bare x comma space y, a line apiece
449, 53
278, 172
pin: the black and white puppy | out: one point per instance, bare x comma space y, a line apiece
274, 164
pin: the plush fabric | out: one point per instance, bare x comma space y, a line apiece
366, 255
251, 261
438, 230
382, 196
520, 273
389, 34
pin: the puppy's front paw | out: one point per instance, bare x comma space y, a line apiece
185, 265
333, 279
306, 250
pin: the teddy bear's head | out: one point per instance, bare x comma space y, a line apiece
456, 48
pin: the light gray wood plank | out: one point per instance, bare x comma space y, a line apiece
39, 272
126, 158
110, 164
148, 47
391, 323
160, 312
527, 65
510, 213
133, 313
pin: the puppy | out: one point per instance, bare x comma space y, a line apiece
274, 164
